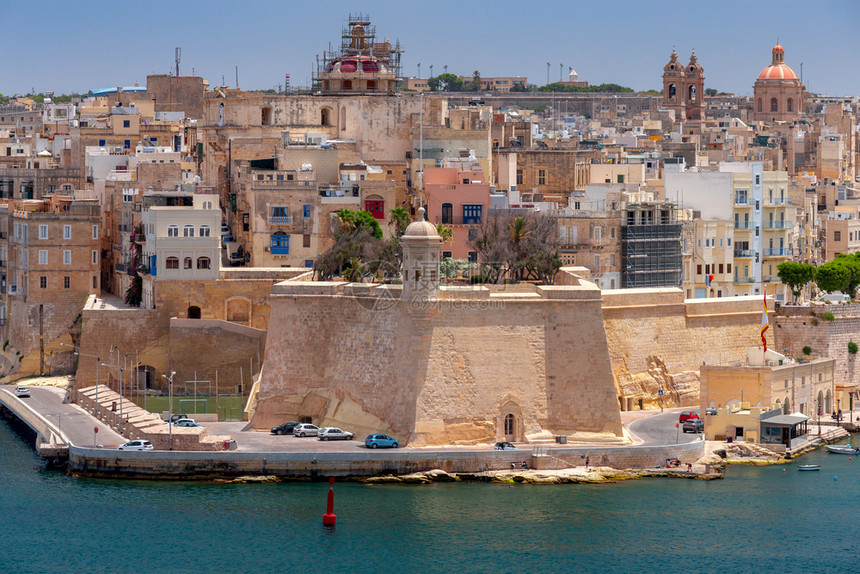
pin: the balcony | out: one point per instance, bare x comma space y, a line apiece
777, 252
744, 253
744, 280
13, 289
777, 225
742, 202
280, 249
775, 201
280, 220
743, 225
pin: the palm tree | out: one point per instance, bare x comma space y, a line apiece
445, 232
520, 229
400, 220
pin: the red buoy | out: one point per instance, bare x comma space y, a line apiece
329, 518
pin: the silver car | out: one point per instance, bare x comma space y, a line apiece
332, 433
306, 429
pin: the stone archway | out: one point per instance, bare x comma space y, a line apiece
828, 408
510, 423
193, 312
238, 310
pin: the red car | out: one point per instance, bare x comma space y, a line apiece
687, 415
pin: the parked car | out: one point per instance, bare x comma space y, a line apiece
136, 445
285, 428
22, 392
835, 297
175, 417
380, 441
187, 423
710, 411
306, 429
694, 425
505, 446
333, 433
687, 415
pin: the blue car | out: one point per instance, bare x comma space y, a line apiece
380, 440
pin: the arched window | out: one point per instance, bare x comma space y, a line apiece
509, 424
205, 231
171, 263
448, 213
173, 231
188, 231
204, 263
774, 105
691, 94
186, 264
671, 91
758, 106
325, 117
789, 105
207, 205
266, 116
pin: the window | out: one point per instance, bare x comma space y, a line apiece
375, 207
306, 240
309, 263
721, 268
204, 263
472, 214
729, 242
473, 235
280, 215
280, 243
126, 144
172, 263
205, 231
43, 257
95, 255
67, 282
707, 242
447, 213
186, 263
188, 231
837, 236
67, 257
95, 231
541, 177
306, 210
699, 269
43, 282
447, 254
789, 105
728, 267
43, 231
207, 205
67, 232
699, 243
126, 123
774, 106
758, 105
173, 231
519, 177
472, 256
101, 143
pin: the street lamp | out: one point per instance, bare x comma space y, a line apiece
169, 408
98, 361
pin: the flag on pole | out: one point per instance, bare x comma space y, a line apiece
764, 324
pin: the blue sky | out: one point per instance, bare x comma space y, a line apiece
74, 47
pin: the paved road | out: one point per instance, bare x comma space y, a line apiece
73, 422
659, 429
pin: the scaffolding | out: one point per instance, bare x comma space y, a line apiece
358, 38
651, 253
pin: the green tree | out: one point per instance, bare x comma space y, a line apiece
475, 84
832, 277
795, 275
400, 220
852, 264
445, 232
710, 92
445, 83
352, 221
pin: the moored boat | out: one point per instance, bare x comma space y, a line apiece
842, 449
808, 467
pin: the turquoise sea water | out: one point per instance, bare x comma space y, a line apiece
756, 520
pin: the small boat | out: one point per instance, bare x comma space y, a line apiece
808, 467
843, 449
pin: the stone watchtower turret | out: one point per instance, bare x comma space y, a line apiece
421, 245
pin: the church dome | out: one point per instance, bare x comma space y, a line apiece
353, 64
778, 70
421, 227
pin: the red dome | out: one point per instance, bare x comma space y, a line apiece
778, 72
778, 48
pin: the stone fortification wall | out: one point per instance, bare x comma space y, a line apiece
442, 372
657, 338
98, 462
826, 338
194, 343
134, 331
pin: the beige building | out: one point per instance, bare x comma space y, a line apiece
764, 379
51, 257
842, 231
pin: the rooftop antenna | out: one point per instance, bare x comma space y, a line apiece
237, 77
560, 72
547, 72
178, 57
419, 69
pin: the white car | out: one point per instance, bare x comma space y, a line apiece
187, 423
22, 392
136, 445
332, 433
306, 429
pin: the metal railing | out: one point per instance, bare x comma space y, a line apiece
744, 253
777, 252
777, 225
280, 220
